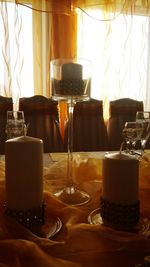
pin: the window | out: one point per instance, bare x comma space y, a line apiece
119, 51
16, 55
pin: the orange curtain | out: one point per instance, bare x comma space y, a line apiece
64, 36
54, 36
63, 45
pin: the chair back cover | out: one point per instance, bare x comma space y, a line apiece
42, 118
120, 110
89, 130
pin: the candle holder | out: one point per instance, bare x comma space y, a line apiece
15, 125
70, 83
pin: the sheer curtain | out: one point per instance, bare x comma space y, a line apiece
32, 33
119, 52
16, 49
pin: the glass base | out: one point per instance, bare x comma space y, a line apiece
50, 228
70, 98
72, 196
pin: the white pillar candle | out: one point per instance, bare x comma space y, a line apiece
24, 173
120, 179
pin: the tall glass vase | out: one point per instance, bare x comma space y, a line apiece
70, 83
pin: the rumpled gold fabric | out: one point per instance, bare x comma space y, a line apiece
78, 243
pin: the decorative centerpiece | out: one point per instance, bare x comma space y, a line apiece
120, 207
70, 79
68, 83
24, 180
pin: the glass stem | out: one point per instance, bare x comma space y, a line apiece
143, 143
121, 147
70, 183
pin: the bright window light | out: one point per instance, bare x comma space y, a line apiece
118, 50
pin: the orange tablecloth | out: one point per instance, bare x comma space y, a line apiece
78, 243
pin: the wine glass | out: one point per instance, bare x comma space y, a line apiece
144, 118
15, 125
132, 132
70, 83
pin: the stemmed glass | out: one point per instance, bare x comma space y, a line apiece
144, 118
132, 132
70, 83
15, 125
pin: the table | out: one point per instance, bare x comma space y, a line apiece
78, 244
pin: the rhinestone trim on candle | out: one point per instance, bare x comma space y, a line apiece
30, 218
120, 216
70, 86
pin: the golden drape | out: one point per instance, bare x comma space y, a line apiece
63, 45
69, 6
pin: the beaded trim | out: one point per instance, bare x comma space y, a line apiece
120, 216
30, 218
70, 86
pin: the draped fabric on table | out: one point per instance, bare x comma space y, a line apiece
55, 33
78, 244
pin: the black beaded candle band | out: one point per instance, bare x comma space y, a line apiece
123, 217
70, 86
30, 218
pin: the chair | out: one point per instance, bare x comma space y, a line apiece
89, 130
120, 110
6, 103
41, 116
